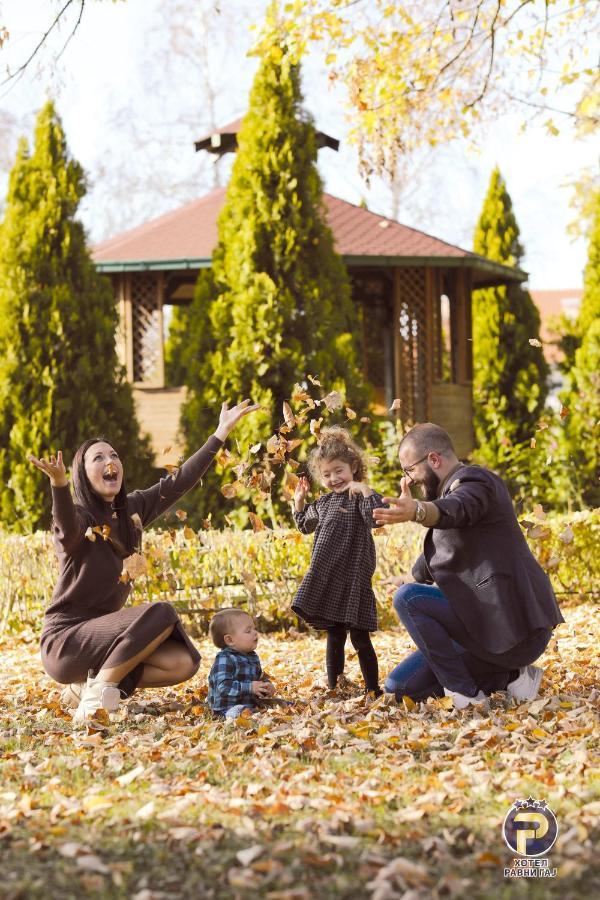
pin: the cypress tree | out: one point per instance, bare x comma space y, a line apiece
60, 381
581, 432
510, 375
277, 305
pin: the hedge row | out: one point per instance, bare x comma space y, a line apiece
201, 572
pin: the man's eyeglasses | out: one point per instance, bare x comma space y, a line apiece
408, 469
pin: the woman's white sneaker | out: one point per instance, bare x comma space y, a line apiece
527, 685
461, 701
70, 696
97, 695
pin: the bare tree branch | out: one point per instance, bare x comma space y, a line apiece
77, 24
486, 82
547, 108
44, 38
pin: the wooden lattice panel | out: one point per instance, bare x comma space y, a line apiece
146, 316
414, 363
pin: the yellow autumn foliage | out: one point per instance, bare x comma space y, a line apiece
261, 569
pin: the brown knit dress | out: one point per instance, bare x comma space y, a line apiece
85, 625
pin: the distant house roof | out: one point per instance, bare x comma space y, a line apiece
186, 237
553, 303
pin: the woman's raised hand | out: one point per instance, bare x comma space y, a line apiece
53, 467
230, 417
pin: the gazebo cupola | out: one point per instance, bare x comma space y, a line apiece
224, 140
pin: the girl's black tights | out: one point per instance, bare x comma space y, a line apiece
367, 658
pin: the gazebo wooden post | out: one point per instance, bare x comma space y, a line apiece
430, 319
462, 301
398, 385
128, 317
160, 287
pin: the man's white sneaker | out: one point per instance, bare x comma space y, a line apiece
461, 701
527, 685
71, 695
97, 695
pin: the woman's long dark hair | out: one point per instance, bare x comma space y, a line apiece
87, 498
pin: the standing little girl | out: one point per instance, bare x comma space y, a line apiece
336, 592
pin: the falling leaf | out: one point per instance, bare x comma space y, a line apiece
350, 414
255, 448
189, 533
224, 458
181, 514
365, 420
291, 481
315, 426
535, 342
314, 381
256, 522
567, 536
273, 444
538, 533
564, 412
90, 534
166, 451
396, 405
373, 460
232, 489
333, 400
135, 565
288, 415
532, 443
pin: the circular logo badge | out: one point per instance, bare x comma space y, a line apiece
530, 827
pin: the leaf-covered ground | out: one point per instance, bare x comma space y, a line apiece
335, 797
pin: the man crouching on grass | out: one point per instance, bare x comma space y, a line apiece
236, 681
480, 608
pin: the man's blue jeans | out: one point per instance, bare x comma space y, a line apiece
447, 655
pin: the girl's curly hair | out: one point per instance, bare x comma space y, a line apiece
336, 443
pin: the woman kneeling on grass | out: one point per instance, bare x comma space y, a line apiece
87, 634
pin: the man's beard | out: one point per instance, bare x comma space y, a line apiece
430, 484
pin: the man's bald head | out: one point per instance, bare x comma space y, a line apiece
425, 437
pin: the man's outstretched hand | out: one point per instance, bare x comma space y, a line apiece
401, 509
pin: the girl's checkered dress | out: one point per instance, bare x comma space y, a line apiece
337, 587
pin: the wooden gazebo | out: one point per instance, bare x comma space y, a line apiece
413, 291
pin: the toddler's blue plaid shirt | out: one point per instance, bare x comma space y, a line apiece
230, 679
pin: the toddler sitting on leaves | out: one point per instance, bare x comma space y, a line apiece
236, 681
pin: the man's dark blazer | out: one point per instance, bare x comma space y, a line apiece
479, 558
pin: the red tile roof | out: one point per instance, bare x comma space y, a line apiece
189, 234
